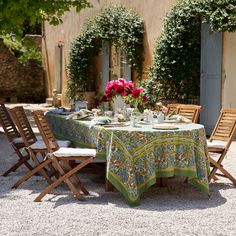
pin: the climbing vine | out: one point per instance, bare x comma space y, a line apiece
114, 25
174, 73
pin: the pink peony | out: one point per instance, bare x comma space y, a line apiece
136, 92
124, 94
144, 99
119, 87
129, 87
121, 80
110, 87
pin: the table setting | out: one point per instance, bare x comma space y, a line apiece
125, 117
138, 144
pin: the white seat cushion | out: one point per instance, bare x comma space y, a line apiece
216, 144
69, 152
41, 145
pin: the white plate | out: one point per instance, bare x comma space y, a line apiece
116, 124
172, 121
165, 127
142, 122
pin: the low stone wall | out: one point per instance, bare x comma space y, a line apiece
20, 83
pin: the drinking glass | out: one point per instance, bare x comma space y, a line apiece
135, 118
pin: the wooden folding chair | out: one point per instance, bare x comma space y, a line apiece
61, 158
220, 141
30, 139
14, 139
190, 112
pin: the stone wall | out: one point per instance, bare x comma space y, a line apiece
20, 83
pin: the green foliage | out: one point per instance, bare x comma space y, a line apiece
174, 73
114, 25
24, 49
14, 14
25, 16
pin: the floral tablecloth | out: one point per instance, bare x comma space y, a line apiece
137, 156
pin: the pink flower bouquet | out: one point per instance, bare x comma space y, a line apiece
132, 95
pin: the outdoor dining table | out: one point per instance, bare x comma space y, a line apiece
137, 156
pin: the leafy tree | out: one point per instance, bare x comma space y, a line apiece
20, 17
15, 14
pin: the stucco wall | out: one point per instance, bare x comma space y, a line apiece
229, 71
152, 12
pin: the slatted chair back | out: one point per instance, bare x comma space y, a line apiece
8, 125
225, 128
45, 131
172, 107
23, 125
15, 140
34, 147
190, 112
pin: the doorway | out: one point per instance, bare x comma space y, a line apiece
114, 66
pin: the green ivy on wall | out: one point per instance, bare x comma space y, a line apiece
115, 25
174, 73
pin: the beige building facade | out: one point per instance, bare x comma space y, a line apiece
228, 95
57, 40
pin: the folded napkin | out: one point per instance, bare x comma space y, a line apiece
100, 120
178, 119
81, 114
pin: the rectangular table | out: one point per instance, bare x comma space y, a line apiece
137, 156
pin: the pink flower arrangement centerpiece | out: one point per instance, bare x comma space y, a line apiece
132, 95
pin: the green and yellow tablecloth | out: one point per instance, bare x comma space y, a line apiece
137, 156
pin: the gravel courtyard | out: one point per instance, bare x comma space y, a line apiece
179, 209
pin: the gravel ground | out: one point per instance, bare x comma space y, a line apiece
179, 209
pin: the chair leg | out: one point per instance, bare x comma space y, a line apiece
225, 172
51, 167
215, 177
215, 168
64, 178
76, 178
31, 173
28, 165
20, 162
53, 170
42, 170
68, 182
20, 155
